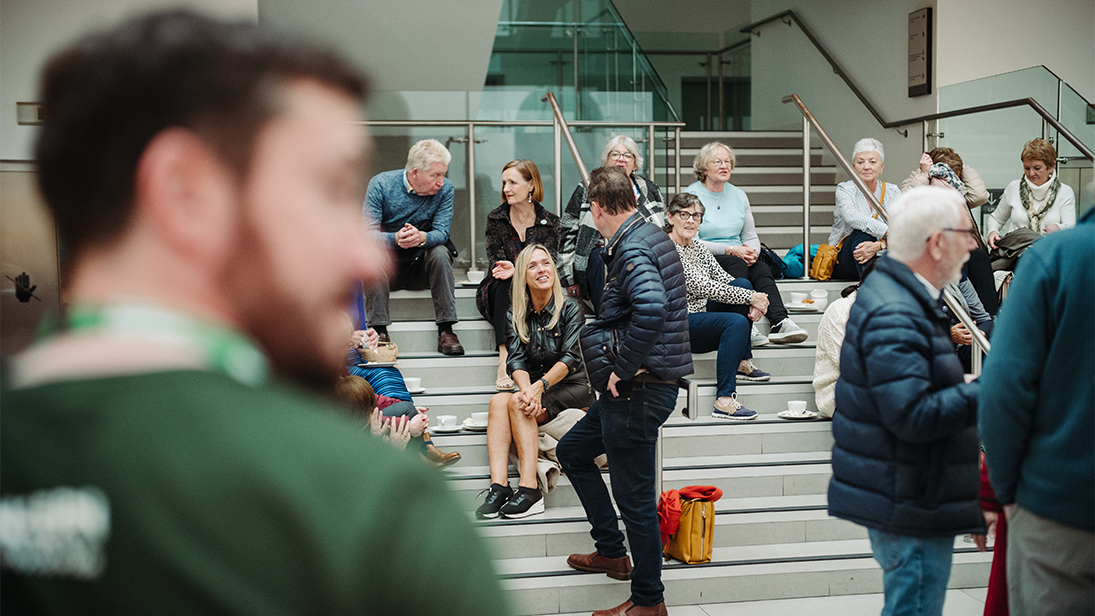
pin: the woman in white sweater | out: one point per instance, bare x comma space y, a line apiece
1037, 201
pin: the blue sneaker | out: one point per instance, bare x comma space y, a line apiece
733, 411
749, 372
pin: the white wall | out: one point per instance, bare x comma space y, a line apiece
869, 41
31, 30
978, 38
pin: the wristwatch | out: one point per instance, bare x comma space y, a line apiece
544, 381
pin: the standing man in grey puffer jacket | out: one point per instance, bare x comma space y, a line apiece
635, 351
906, 457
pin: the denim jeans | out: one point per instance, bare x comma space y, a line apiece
626, 428
847, 268
915, 572
729, 333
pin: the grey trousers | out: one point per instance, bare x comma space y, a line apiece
433, 271
1051, 567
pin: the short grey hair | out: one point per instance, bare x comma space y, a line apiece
868, 144
425, 153
706, 153
628, 144
918, 213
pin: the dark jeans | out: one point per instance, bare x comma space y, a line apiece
979, 270
728, 332
433, 271
626, 428
760, 276
595, 277
847, 268
965, 352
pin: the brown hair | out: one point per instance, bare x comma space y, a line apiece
611, 189
109, 94
528, 170
682, 200
948, 156
358, 396
1040, 149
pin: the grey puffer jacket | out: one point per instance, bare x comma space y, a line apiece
906, 456
643, 321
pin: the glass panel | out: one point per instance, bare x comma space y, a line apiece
1078, 116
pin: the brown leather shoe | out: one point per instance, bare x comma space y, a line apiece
449, 344
435, 456
627, 608
615, 568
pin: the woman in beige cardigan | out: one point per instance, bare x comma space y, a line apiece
976, 193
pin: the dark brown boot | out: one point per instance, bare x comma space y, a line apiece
627, 608
615, 568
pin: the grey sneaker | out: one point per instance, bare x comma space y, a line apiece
756, 338
734, 411
786, 332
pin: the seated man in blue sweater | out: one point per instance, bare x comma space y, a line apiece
412, 209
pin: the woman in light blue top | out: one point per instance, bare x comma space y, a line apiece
854, 221
729, 233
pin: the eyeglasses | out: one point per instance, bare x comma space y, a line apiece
624, 155
690, 215
721, 163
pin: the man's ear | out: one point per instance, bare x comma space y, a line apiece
185, 191
934, 249
596, 212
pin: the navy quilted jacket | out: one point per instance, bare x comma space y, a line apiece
906, 455
643, 321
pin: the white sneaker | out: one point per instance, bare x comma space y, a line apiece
756, 338
786, 332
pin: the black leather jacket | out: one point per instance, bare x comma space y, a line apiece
546, 347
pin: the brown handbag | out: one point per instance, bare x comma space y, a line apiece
821, 268
692, 543
384, 353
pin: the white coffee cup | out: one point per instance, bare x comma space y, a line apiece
446, 421
817, 294
479, 419
797, 297
412, 382
476, 276
797, 407
821, 303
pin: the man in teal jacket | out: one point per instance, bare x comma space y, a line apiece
1037, 422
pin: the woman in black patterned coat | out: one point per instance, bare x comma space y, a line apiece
520, 221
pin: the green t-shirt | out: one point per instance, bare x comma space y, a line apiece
223, 498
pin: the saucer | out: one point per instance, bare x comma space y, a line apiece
470, 425
440, 430
800, 307
417, 390
808, 415
467, 283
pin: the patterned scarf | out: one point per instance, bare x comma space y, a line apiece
1035, 218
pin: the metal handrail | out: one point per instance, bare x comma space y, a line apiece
1030, 102
561, 123
470, 140
809, 120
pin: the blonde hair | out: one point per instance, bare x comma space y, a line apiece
706, 153
628, 143
519, 295
425, 153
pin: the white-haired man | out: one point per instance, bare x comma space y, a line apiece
906, 457
412, 207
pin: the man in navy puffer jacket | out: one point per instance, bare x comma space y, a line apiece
635, 351
905, 459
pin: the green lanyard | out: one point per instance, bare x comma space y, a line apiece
224, 349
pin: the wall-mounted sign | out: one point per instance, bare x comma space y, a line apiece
920, 52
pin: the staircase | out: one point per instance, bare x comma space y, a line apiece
773, 537
769, 170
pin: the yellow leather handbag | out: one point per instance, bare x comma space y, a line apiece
692, 543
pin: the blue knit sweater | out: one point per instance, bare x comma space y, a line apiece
389, 205
1037, 406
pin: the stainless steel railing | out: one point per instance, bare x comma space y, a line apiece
561, 131
808, 121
